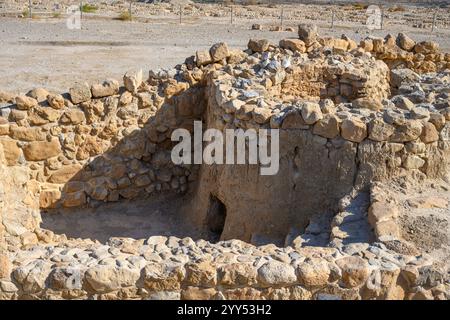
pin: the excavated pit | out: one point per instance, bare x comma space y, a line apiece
94, 177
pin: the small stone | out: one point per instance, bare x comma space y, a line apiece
80, 92
413, 162
328, 127
307, 33
42, 150
262, 115
25, 103
353, 130
311, 112
203, 58
429, 133
276, 273
355, 271
293, 45
106, 88
313, 272
132, 80
380, 212
405, 42
380, 130
219, 51
258, 45
367, 103
56, 101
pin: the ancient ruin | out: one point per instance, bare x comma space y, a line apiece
364, 147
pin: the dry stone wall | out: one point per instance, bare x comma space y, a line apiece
345, 119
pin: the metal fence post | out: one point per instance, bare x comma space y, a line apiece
433, 26
332, 18
382, 17
180, 14
81, 10
281, 16
29, 9
231, 14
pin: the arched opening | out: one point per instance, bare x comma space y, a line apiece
216, 216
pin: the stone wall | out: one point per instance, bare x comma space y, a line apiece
340, 129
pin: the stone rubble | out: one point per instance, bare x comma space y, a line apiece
385, 102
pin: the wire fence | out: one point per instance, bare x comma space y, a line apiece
334, 15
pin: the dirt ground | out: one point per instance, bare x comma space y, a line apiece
45, 53
136, 219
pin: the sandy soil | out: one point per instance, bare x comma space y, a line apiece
137, 219
45, 53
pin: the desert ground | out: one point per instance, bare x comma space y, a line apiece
43, 52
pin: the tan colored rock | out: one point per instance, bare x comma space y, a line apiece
5, 267
262, 115
40, 94
380, 130
132, 80
27, 133
313, 272
328, 127
256, 26
387, 229
258, 45
4, 127
11, 151
366, 45
90, 147
311, 112
56, 101
47, 113
429, 133
80, 92
438, 120
413, 162
381, 211
163, 276
73, 116
340, 45
203, 58
64, 174
405, 42
49, 198
6, 97
367, 103
294, 120
237, 274
106, 278
28, 238
355, 271
107, 88
75, 199
25, 103
295, 45
307, 33
408, 131
202, 274
42, 150
426, 47
353, 130
194, 293
276, 273
219, 51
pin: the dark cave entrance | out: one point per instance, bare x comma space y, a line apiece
216, 216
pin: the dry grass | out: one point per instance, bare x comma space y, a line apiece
397, 8
125, 16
